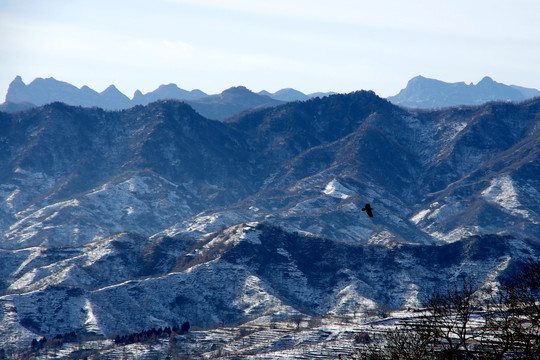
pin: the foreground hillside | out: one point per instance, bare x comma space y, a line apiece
118, 222
125, 283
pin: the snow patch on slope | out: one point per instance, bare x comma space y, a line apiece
335, 189
202, 225
90, 324
144, 204
503, 193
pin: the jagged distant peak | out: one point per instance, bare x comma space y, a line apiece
285, 90
421, 80
486, 79
111, 87
50, 81
423, 92
265, 93
418, 78
16, 91
169, 86
18, 80
289, 94
239, 92
240, 89
45, 90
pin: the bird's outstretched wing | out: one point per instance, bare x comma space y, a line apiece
368, 209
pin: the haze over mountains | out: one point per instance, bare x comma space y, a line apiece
119, 221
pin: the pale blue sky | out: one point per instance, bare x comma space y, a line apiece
310, 45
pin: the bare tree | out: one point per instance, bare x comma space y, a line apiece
449, 318
513, 319
460, 324
297, 319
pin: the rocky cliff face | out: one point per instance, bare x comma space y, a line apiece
114, 222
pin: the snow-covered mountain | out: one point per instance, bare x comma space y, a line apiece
127, 283
115, 222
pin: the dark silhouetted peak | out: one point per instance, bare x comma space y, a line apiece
486, 81
322, 94
138, 97
52, 84
43, 91
237, 91
418, 80
231, 102
169, 87
423, 84
112, 98
169, 91
17, 91
245, 96
197, 94
289, 94
17, 82
111, 89
491, 90
87, 90
265, 93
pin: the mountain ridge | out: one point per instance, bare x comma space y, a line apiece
291, 155
426, 93
42, 91
420, 92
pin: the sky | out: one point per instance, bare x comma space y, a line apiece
309, 45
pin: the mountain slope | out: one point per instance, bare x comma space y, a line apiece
308, 166
125, 283
60, 159
116, 222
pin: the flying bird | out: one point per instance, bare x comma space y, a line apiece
368, 209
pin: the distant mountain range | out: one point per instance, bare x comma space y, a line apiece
218, 107
427, 93
421, 92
